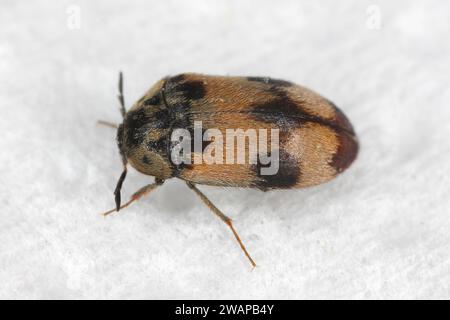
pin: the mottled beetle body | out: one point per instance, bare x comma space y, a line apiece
316, 140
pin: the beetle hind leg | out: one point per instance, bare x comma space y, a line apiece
222, 217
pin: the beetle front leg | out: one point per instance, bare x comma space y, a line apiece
223, 217
138, 194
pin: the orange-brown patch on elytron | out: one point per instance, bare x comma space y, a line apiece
225, 175
231, 121
228, 172
310, 102
228, 94
313, 145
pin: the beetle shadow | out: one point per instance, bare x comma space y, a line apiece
175, 199
285, 204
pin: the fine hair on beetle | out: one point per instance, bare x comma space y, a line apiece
245, 132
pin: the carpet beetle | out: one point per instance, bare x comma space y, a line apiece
314, 140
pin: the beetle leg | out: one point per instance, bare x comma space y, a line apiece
137, 195
223, 217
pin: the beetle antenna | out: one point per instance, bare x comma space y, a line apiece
123, 111
119, 187
108, 124
120, 96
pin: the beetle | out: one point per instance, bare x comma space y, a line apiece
316, 141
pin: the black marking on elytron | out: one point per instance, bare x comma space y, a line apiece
187, 89
267, 80
284, 112
341, 120
155, 100
280, 111
160, 119
287, 177
346, 152
179, 117
177, 78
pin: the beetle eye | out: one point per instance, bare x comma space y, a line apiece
155, 100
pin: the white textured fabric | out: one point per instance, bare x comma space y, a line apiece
381, 230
